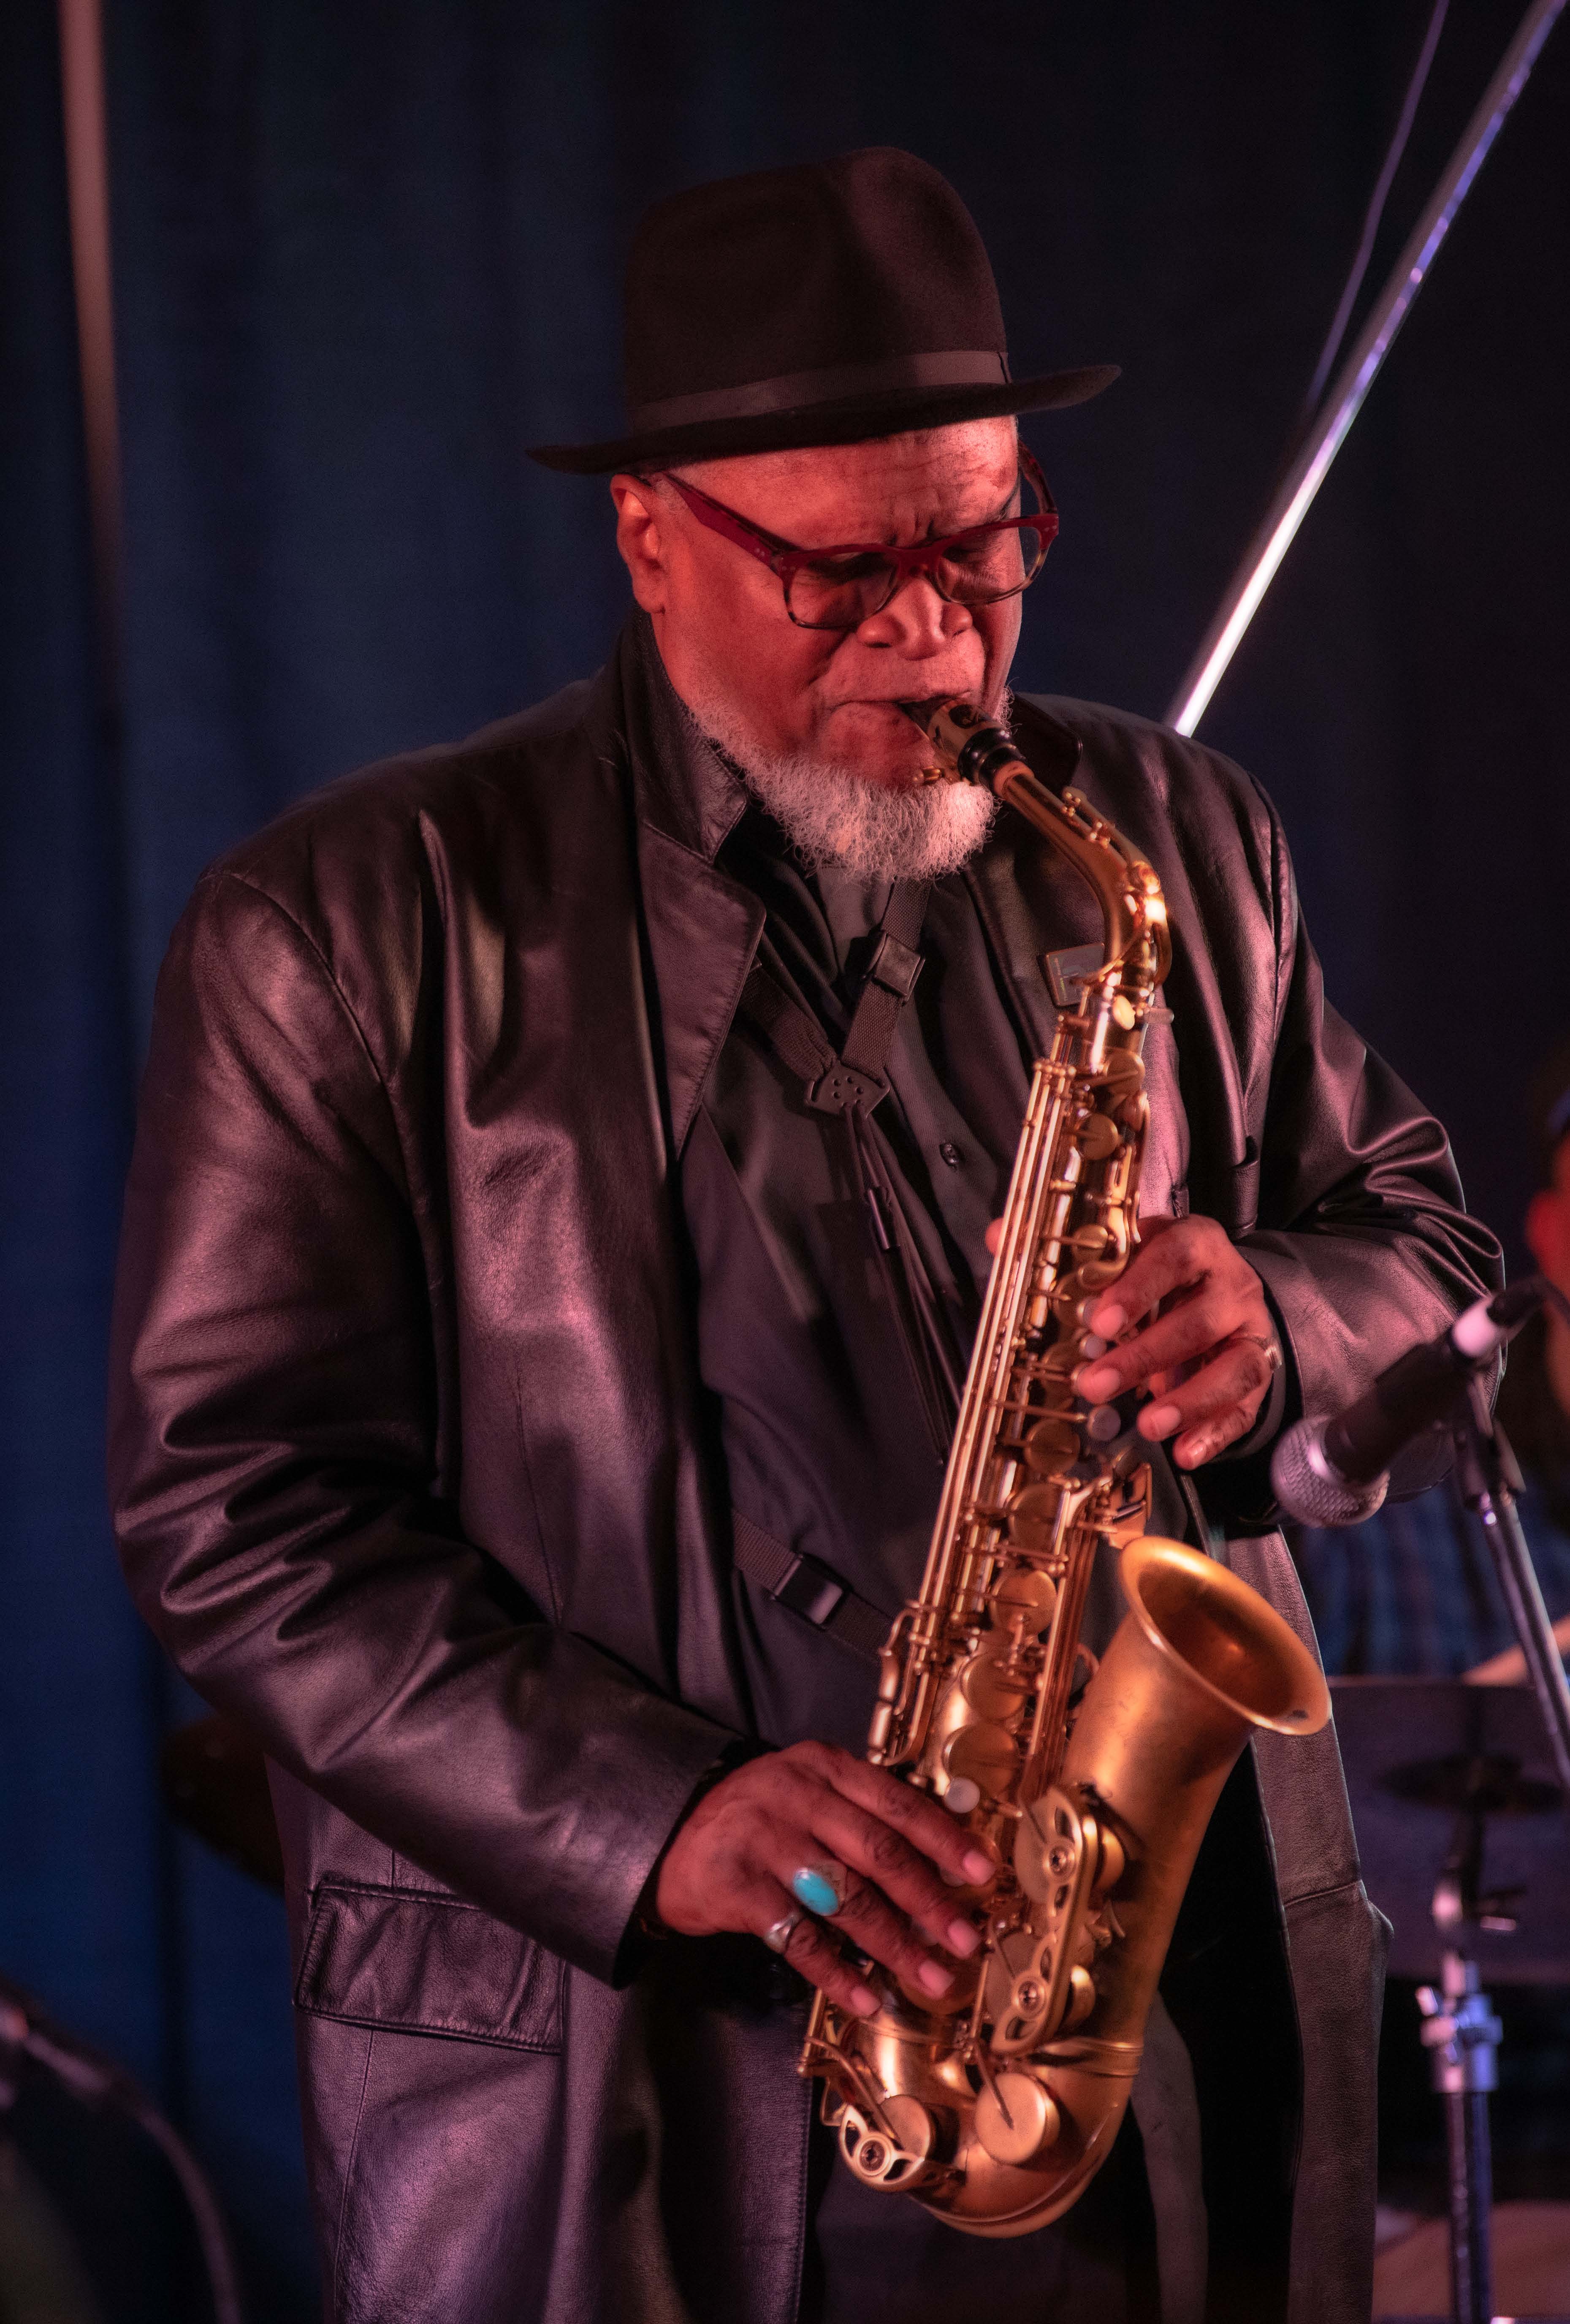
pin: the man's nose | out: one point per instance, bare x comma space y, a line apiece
915, 620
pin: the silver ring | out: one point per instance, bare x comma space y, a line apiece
1272, 1346
778, 1933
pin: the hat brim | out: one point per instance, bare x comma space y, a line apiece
853, 419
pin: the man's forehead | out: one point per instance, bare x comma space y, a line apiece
974, 461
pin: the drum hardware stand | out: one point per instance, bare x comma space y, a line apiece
1462, 2035
1460, 2030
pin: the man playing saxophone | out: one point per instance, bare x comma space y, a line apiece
559, 1223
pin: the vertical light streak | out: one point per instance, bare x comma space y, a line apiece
87, 149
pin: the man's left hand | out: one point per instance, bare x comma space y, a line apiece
1199, 1336
1198, 1339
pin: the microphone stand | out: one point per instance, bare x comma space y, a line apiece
1460, 2029
1490, 1479
1462, 2035
1310, 464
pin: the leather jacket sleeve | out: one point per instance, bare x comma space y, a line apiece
1358, 1229
274, 1468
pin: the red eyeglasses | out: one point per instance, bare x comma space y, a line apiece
840, 588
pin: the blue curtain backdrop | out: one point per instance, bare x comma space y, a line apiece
365, 255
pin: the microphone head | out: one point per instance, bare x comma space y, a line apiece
1310, 1488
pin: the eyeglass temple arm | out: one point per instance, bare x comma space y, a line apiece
719, 518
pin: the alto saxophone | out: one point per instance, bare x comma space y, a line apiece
996, 2105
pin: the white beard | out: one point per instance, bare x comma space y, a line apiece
834, 816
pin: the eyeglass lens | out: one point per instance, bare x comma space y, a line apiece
841, 593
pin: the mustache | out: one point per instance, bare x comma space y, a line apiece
919, 710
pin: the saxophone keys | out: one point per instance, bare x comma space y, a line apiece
989, 1686
1047, 1851
985, 1753
1122, 1073
893, 2152
1016, 2116
1049, 1444
1081, 1999
1097, 1136
1095, 1275
1036, 1511
1113, 1861
1028, 1597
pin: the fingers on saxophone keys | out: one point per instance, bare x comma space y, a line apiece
1173, 1340
1212, 1409
790, 1931
1197, 1446
910, 1814
874, 1926
902, 1872
1170, 1256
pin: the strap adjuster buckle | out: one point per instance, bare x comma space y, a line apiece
894, 965
809, 1589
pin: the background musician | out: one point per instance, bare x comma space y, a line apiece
515, 1428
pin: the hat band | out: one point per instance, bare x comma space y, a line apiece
955, 367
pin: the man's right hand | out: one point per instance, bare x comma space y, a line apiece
900, 1855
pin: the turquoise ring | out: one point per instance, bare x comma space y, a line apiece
820, 1887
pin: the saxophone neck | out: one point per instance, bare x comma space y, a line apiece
974, 749
1139, 945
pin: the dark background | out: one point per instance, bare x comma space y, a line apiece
365, 253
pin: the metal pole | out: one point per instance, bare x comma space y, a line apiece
86, 144
1308, 470
1512, 1561
1488, 1479
1471, 2268
1462, 2034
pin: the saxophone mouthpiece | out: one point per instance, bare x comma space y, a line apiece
927, 716
925, 712
971, 748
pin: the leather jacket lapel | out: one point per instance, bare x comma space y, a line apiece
702, 931
699, 928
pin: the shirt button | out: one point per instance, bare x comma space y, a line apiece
951, 1154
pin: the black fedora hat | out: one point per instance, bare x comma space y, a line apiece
821, 304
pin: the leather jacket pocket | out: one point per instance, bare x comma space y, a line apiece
420, 1961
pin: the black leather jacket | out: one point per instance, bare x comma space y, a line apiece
407, 1477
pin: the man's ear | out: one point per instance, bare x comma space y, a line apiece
640, 540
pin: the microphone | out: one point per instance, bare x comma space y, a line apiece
1336, 1471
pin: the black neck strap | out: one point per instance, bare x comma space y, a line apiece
850, 1081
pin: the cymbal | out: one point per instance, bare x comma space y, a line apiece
1417, 1751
